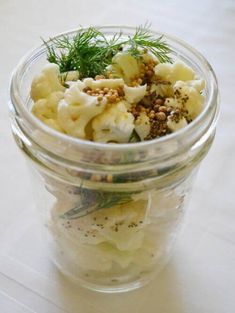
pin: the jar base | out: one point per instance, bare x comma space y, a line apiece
117, 288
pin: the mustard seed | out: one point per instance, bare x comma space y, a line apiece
149, 73
162, 108
109, 178
156, 107
161, 116
159, 102
96, 177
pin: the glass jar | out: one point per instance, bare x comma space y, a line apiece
111, 212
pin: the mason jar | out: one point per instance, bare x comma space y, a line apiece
112, 212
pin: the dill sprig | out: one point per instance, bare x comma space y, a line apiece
87, 52
143, 39
94, 200
90, 51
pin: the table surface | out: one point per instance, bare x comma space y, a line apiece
201, 275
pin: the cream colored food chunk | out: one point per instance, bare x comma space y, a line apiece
125, 66
114, 124
76, 110
46, 82
174, 72
134, 94
142, 125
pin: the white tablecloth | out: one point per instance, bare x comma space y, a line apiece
201, 274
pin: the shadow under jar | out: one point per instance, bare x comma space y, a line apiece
112, 211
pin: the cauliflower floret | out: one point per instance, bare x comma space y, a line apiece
78, 83
74, 94
174, 126
173, 102
198, 84
125, 66
190, 98
174, 72
102, 83
134, 94
70, 76
148, 56
53, 123
114, 124
46, 83
162, 90
76, 110
47, 108
142, 125
41, 110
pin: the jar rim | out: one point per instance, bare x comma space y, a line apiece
210, 100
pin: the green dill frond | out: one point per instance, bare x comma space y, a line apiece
90, 51
145, 40
92, 201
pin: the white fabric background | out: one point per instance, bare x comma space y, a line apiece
201, 274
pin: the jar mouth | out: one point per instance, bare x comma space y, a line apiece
179, 48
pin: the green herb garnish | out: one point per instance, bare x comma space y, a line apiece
93, 200
143, 39
90, 52
134, 137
